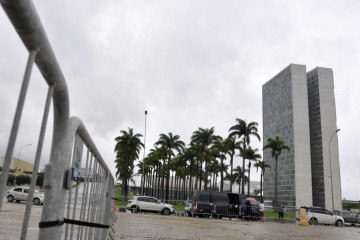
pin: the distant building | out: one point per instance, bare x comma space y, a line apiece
22, 166
299, 107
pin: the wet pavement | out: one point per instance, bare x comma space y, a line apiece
148, 226
152, 226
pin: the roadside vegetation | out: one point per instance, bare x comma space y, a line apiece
350, 205
171, 169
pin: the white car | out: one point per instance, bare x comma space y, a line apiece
317, 215
21, 194
149, 204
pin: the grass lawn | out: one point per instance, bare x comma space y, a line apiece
272, 214
118, 202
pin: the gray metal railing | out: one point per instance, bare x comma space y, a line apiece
62, 188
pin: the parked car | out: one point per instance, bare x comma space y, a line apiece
21, 194
317, 215
226, 204
351, 217
149, 204
215, 204
201, 204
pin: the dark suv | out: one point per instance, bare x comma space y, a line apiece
216, 204
201, 204
226, 204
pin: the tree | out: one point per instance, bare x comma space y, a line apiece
204, 138
276, 146
231, 145
127, 149
220, 151
252, 155
170, 143
262, 165
244, 130
238, 176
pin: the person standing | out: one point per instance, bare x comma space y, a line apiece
281, 212
261, 211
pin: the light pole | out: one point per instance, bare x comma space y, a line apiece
331, 176
143, 164
17, 163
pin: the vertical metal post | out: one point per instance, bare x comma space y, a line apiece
143, 165
83, 195
36, 163
86, 196
15, 126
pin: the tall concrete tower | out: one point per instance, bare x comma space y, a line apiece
299, 107
325, 168
285, 114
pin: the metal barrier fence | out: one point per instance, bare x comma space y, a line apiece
61, 182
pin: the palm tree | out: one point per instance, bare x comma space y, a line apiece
276, 146
127, 149
170, 142
205, 138
244, 130
231, 146
159, 158
262, 165
238, 176
220, 150
251, 155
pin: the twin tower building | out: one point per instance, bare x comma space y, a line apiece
299, 107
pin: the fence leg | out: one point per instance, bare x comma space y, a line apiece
36, 165
15, 126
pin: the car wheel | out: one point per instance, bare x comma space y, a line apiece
166, 211
339, 223
313, 221
10, 198
36, 201
135, 209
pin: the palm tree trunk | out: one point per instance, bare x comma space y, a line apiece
243, 182
261, 186
222, 178
206, 172
200, 174
184, 183
171, 188
153, 183
276, 182
239, 186
163, 181
248, 192
167, 180
159, 184
231, 170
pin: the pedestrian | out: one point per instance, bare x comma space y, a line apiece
281, 212
261, 210
247, 210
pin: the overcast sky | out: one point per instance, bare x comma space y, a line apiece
189, 63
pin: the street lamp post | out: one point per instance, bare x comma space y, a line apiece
143, 164
331, 176
17, 163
